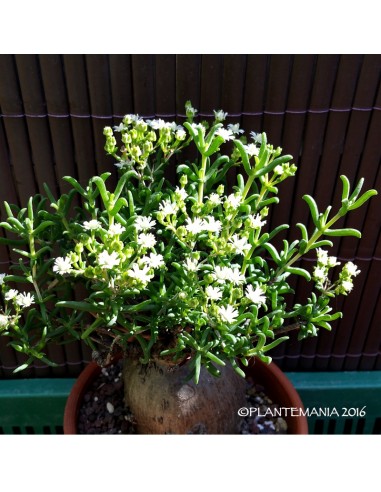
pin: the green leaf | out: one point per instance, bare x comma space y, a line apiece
100, 184
197, 368
365, 197
121, 202
313, 209
274, 344
244, 156
346, 187
343, 232
236, 367
223, 159
276, 162
357, 190
8, 209
130, 203
92, 327
214, 146
42, 227
273, 252
299, 271
79, 305
74, 183
30, 210
320, 244
215, 359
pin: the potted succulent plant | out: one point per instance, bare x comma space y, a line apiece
183, 279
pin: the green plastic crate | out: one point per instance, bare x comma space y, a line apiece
35, 406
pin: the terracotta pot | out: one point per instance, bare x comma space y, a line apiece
278, 387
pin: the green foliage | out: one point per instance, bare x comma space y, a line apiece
181, 270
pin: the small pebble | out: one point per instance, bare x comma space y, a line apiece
110, 407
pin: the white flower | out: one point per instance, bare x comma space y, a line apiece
180, 134
221, 274
322, 256
347, 285
129, 118
278, 170
191, 265
257, 137
352, 269
320, 274
195, 226
146, 240
157, 124
255, 221
180, 193
212, 225
235, 129
214, 293
214, 199
11, 294
236, 277
225, 134
228, 313
332, 262
219, 115
240, 245
122, 164
116, 229
153, 260
62, 265
144, 223
251, 149
25, 299
119, 128
233, 200
140, 274
168, 208
2, 275
107, 260
257, 296
92, 225
3, 320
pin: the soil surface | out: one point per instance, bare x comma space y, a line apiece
103, 410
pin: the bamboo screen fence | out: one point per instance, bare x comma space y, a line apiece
325, 110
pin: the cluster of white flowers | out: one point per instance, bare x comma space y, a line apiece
239, 245
256, 296
4, 320
108, 260
233, 201
324, 263
222, 274
21, 299
116, 229
345, 282
143, 223
225, 134
228, 313
166, 207
92, 225
255, 221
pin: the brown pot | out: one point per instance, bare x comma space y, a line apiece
278, 387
